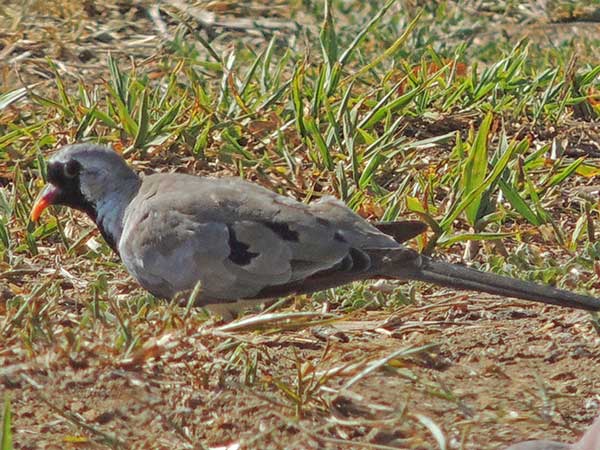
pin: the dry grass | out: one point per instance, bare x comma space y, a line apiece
88, 360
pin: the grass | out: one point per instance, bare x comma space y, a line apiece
458, 113
6, 435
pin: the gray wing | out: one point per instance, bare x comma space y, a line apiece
237, 238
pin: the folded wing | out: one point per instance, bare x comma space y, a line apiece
240, 240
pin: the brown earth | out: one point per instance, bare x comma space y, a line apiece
495, 371
492, 372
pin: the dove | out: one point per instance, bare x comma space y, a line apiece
243, 242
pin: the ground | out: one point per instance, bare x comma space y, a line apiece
89, 360
486, 374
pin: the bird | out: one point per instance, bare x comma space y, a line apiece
243, 243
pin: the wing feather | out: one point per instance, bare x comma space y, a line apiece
239, 239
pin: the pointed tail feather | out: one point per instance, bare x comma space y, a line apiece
460, 277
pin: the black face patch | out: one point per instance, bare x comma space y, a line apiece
72, 168
65, 176
61, 174
282, 230
238, 253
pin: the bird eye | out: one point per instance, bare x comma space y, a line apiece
71, 168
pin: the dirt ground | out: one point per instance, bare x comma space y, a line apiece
475, 371
493, 373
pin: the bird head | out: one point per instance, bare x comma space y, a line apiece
80, 176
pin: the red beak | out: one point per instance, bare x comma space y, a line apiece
44, 199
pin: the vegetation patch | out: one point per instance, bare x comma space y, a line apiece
479, 118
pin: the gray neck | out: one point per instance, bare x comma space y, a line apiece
110, 211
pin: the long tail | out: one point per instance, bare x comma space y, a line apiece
460, 277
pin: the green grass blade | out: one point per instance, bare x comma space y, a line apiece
517, 202
349, 132
168, 118
85, 124
4, 236
328, 38
318, 96
392, 49
343, 106
297, 81
265, 77
564, 174
363, 32
477, 192
475, 168
381, 110
65, 99
118, 80
372, 165
103, 117
49, 103
142, 123
535, 199
6, 437
250, 74
317, 137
